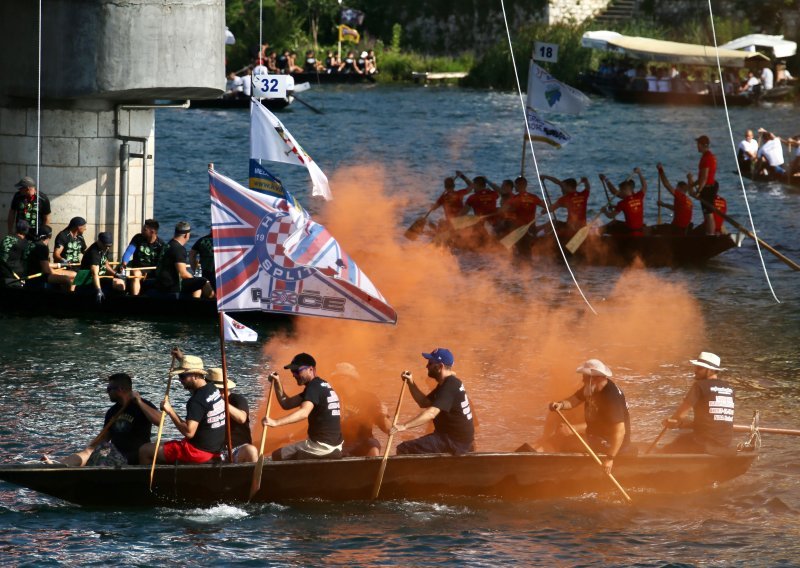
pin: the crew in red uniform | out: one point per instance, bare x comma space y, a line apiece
722, 206
682, 205
483, 202
706, 180
573, 201
631, 204
521, 211
452, 200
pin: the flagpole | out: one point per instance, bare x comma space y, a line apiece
225, 384
522, 162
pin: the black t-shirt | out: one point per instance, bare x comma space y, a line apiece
207, 407
324, 422
455, 416
39, 253
95, 256
25, 208
240, 433
74, 246
146, 253
131, 430
167, 277
205, 249
712, 401
604, 410
14, 253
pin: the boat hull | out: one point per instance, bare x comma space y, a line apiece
241, 102
425, 477
331, 78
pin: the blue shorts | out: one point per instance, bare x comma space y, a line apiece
435, 443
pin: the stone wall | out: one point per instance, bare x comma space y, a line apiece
79, 169
574, 11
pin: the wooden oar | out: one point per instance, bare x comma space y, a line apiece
786, 260
594, 455
161, 424
514, 236
658, 219
465, 221
785, 431
255, 485
653, 445
107, 427
577, 239
304, 103
376, 489
416, 228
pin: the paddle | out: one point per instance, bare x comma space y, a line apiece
785, 431
653, 445
255, 485
379, 480
658, 220
107, 427
304, 103
511, 238
415, 229
161, 423
577, 239
465, 221
786, 260
594, 455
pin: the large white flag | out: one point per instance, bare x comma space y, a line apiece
269, 140
234, 331
547, 93
543, 131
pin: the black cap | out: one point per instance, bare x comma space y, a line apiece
45, 232
105, 239
27, 181
301, 360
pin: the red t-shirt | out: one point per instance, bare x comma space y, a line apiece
683, 210
708, 160
452, 202
576, 207
522, 208
722, 205
483, 202
633, 208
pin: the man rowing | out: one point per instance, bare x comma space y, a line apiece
318, 403
447, 406
144, 250
204, 427
520, 209
711, 401
631, 204
452, 200
573, 201
682, 206
608, 425
362, 412
126, 428
70, 244
172, 277
94, 266
239, 413
14, 252
39, 272
482, 203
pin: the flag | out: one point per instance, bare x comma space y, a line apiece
542, 131
351, 17
547, 93
346, 33
272, 257
269, 140
234, 331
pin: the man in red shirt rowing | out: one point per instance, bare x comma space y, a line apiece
521, 210
682, 206
631, 204
573, 201
452, 200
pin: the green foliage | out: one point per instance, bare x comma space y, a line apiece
282, 28
396, 66
397, 32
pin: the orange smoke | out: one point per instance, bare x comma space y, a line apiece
517, 332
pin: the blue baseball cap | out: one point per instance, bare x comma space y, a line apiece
440, 355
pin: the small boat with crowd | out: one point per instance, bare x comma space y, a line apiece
431, 477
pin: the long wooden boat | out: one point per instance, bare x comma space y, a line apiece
325, 78
785, 179
241, 101
420, 477
59, 303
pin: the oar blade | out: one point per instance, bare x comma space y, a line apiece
416, 228
465, 221
577, 239
255, 485
514, 236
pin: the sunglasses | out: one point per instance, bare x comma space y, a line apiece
111, 388
299, 370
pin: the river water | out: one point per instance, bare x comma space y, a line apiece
407, 139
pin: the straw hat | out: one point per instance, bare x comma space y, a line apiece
190, 364
707, 360
594, 368
215, 376
345, 370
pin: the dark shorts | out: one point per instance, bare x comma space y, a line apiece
184, 452
360, 448
435, 443
707, 194
192, 285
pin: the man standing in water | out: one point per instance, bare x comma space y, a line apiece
608, 425
447, 406
712, 401
706, 183
318, 403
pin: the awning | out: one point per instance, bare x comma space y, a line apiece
669, 51
753, 42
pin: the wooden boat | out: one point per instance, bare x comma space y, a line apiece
56, 302
785, 179
324, 78
420, 477
241, 101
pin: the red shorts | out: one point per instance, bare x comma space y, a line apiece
183, 451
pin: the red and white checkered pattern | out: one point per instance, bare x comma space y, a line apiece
278, 232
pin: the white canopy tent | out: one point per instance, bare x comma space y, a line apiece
780, 47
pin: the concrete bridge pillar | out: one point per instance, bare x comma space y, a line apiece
104, 64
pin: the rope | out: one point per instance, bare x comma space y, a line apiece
38, 119
754, 442
536, 163
733, 147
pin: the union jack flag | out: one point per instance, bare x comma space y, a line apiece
271, 256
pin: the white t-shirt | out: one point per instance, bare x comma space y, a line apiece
247, 84
748, 146
664, 85
652, 83
773, 151
235, 85
752, 82
767, 78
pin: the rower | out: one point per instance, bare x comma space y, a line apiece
682, 205
70, 244
204, 426
14, 251
202, 256
95, 266
447, 406
631, 204
145, 249
127, 426
362, 411
172, 277
573, 201
39, 263
608, 425
452, 200
521, 210
482, 202
239, 413
712, 402
318, 403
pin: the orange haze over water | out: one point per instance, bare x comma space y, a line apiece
517, 339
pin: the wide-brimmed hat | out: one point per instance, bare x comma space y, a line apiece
215, 376
707, 360
190, 364
345, 370
594, 368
